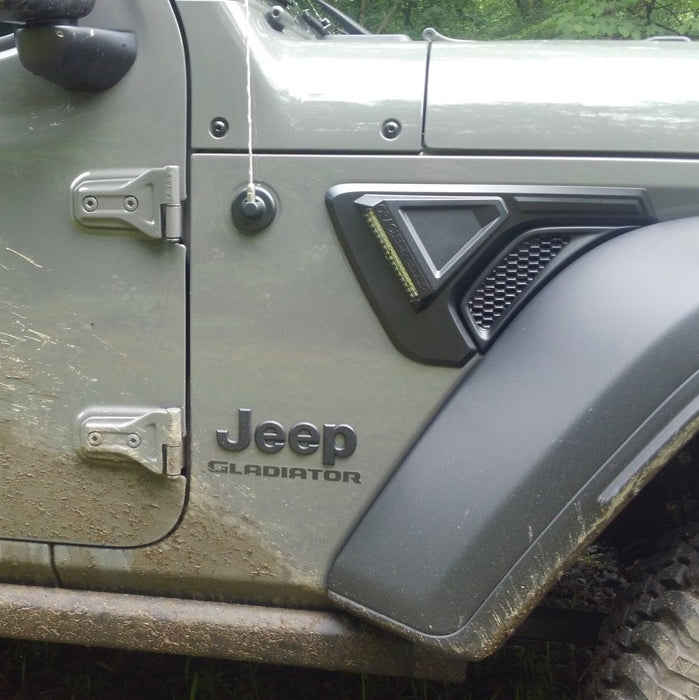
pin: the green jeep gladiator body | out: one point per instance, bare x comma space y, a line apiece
333, 349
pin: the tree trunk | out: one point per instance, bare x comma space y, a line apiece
388, 17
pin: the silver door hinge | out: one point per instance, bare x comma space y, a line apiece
148, 200
152, 437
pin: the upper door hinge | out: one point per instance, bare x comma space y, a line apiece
147, 200
152, 437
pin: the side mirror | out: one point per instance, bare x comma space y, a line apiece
51, 45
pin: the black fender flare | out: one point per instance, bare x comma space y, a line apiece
583, 398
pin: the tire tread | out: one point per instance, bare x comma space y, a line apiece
650, 644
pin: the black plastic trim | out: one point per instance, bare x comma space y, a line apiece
76, 58
575, 407
429, 326
47, 10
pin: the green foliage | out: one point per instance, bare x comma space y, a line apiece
523, 19
625, 19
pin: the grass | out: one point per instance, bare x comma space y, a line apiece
34, 670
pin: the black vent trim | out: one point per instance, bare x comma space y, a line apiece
511, 277
422, 252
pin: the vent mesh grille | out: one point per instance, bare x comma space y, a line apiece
511, 277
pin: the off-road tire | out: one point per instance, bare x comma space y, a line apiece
650, 648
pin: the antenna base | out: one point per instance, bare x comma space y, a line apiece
254, 217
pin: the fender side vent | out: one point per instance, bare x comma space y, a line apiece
446, 267
510, 278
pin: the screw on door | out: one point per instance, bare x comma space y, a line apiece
130, 203
90, 203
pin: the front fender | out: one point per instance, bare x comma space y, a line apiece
573, 409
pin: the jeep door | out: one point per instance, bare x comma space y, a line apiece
92, 293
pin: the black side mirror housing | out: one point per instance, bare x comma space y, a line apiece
76, 58
51, 45
44, 10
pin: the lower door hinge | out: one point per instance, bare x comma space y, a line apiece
151, 437
148, 200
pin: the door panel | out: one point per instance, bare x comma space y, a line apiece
91, 319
